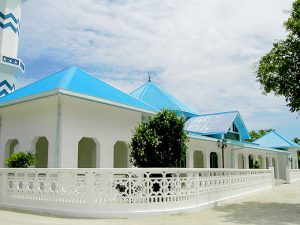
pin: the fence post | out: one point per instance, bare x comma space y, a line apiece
3, 186
273, 176
90, 195
288, 175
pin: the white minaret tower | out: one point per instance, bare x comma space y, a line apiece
10, 65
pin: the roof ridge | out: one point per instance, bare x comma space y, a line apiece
65, 81
163, 92
144, 91
115, 88
290, 142
218, 113
263, 135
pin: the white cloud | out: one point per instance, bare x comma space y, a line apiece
204, 50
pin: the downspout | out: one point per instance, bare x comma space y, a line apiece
58, 129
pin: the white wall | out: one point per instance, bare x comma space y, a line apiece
28, 120
106, 124
206, 147
294, 155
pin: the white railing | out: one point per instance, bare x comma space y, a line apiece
125, 192
294, 174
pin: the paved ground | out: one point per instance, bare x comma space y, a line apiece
275, 207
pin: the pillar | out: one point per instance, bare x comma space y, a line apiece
10, 65
207, 159
246, 160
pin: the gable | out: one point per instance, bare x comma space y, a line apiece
217, 124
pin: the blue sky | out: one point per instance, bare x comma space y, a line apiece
203, 52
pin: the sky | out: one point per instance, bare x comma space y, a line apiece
202, 52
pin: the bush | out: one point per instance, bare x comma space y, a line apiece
20, 160
256, 164
159, 141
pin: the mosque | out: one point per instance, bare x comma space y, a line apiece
72, 119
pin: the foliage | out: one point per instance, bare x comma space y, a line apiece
256, 164
296, 140
20, 160
159, 141
279, 70
257, 134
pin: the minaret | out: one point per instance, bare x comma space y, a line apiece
10, 65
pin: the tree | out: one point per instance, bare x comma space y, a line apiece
20, 160
257, 134
256, 164
279, 70
159, 141
296, 140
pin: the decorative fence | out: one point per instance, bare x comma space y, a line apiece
125, 192
294, 174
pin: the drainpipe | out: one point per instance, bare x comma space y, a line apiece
58, 129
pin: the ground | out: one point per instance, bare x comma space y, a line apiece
273, 207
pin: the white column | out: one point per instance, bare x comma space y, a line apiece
264, 165
106, 154
246, 160
207, 159
190, 158
235, 160
270, 162
219, 154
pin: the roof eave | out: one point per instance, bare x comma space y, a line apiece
107, 102
74, 94
30, 98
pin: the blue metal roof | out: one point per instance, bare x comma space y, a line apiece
217, 123
276, 140
77, 81
160, 99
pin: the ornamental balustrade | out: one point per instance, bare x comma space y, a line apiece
294, 174
124, 192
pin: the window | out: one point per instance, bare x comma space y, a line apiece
234, 128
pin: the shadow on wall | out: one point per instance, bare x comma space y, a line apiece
273, 213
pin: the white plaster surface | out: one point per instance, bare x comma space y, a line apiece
275, 207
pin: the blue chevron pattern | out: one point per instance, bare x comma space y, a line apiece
10, 15
4, 25
4, 84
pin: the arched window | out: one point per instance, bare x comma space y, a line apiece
251, 162
121, 159
11, 147
41, 150
198, 159
213, 160
87, 152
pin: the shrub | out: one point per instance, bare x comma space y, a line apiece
159, 141
20, 160
256, 164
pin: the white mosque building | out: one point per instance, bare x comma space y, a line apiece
72, 119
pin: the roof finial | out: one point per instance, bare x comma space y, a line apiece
149, 76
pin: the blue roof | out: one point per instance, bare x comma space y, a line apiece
276, 140
78, 81
217, 123
160, 99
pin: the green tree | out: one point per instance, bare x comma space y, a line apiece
20, 160
279, 70
159, 141
257, 134
257, 164
296, 140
